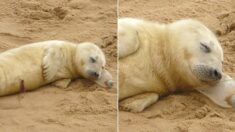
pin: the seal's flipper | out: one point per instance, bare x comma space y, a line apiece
139, 102
222, 93
63, 83
51, 63
128, 41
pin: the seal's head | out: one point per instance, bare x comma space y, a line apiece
90, 62
201, 50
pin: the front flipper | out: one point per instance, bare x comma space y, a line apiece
128, 41
51, 62
223, 93
62, 83
139, 102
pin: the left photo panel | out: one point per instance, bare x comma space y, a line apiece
58, 66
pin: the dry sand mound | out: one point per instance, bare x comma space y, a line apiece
185, 112
84, 106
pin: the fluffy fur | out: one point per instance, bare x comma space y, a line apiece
156, 59
34, 65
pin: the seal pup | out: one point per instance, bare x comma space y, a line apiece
157, 59
33, 65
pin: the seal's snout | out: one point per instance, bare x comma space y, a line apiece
207, 73
215, 74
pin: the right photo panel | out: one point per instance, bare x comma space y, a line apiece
176, 65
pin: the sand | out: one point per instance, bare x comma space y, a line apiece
189, 111
84, 106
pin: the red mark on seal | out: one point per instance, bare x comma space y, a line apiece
22, 88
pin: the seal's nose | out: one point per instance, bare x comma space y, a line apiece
216, 74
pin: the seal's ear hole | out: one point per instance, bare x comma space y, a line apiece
205, 48
92, 59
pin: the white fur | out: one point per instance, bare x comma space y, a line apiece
160, 58
45, 62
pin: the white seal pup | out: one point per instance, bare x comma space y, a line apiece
158, 59
33, 65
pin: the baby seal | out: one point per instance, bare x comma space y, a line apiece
33, 65
157, 59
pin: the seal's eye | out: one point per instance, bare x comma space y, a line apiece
93, 60
205, 48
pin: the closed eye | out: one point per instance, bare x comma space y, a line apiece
93, 60
205, 48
